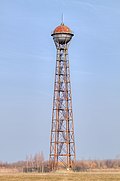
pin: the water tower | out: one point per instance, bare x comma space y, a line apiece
62, 144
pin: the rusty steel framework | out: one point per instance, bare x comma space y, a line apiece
62, 144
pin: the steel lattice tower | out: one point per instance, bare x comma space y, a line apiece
62, 144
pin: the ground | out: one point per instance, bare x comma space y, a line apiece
99, 176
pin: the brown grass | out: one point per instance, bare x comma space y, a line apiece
99, 176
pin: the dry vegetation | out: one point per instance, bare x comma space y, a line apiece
38, 164
89, 176
35, 168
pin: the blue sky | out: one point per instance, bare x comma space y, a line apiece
27, 66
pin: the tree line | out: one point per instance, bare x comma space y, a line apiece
37, 163
82, 165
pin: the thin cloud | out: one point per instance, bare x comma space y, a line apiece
86, 3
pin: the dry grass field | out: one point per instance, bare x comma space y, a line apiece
61, 177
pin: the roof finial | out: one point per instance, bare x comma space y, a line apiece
62, 19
